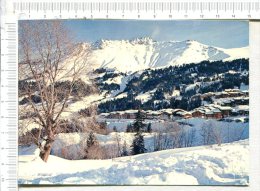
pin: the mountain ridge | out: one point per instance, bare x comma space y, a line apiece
138, 54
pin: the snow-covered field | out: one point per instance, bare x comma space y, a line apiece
205, 165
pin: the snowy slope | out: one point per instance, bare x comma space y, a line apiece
216, 165
143, 53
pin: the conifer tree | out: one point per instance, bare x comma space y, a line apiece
139, 125
91, 139
138, 144
149, 128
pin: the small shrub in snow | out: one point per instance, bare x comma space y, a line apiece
96, 152
93, 149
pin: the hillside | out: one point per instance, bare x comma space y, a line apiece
171, 87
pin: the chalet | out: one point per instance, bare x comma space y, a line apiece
114, 115
227, 102
152, 114
241, 100
217, 114
183, 114
211, 111
129, 114
221, 95
198, 113
225, 110
234, 92
209, 114
166, 114
242, 110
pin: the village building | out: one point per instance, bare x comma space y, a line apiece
225, 110
217, 114
183, 114
198, 113
130, 114
241, 100
166, 114
209, 114
152, 114
241, 110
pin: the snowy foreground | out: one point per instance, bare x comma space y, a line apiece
227, 164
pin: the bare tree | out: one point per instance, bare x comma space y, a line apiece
206, 133
170, 136
119, 147
217, 135
189, 138
49, 66
211, 133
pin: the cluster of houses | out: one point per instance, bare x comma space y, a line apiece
229, 97
227, 93
218, 111
231, 102
209, 111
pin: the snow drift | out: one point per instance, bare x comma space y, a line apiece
205, 165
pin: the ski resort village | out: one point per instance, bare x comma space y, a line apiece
137, 111
222, 108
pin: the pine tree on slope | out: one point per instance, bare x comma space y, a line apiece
138, 146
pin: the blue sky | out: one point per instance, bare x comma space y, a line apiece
225, 34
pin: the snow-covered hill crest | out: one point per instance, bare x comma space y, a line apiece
143, 53
216, 165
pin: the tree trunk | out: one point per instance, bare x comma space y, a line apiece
44, 154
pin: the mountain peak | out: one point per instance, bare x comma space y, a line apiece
143, 40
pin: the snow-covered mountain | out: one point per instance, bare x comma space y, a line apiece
143, 53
